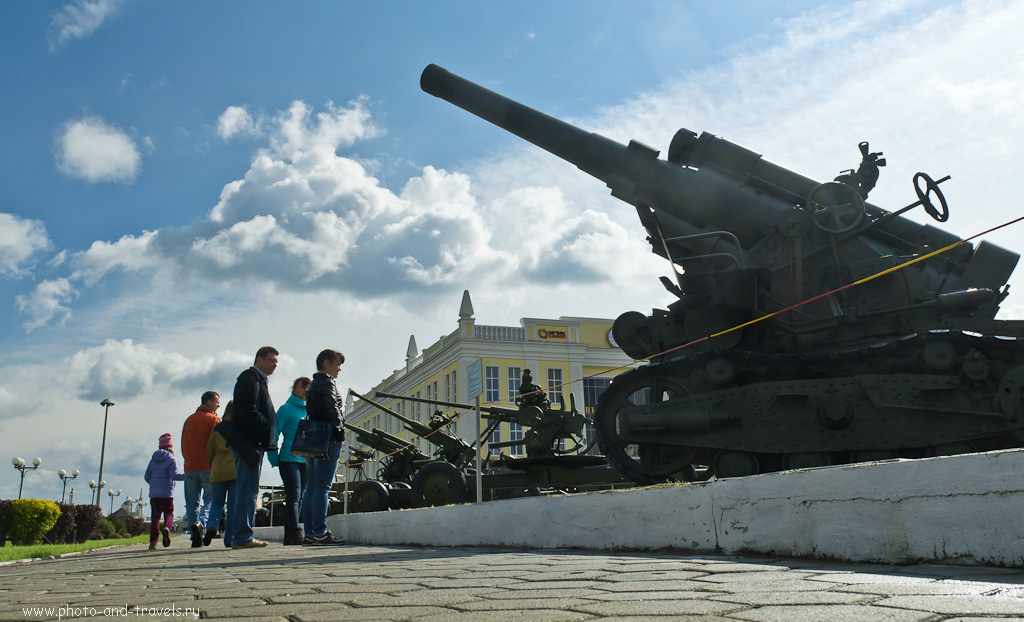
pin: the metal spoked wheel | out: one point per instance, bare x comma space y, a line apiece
644, 460
835, 208
439, 483
370, 496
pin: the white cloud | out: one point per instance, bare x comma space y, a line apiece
46, 302
235, 120
79, 20
128, 370
130, 253
20, 239
94, 151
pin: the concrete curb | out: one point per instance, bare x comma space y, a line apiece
955, 509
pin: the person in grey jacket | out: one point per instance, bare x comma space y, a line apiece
323, 403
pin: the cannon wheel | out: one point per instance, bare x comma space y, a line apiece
646, 462
835, 208
439, 483
371, 496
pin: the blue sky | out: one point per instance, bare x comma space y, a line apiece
185, 182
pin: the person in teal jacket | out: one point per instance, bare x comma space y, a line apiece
292, 468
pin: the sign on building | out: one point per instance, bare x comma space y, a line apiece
475, 374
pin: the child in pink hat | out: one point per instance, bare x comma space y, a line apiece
161, 474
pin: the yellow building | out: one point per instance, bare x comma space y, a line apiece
569, 355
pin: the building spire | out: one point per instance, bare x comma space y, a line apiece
466, 310
412, 350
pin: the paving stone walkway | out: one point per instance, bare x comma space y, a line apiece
480, 584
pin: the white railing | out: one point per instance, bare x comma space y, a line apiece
498, 333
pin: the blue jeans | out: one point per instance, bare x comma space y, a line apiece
223, 492
196, 482
293, 474
320, 473
247, 491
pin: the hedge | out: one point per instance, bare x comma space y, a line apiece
29, 519
62, 529
86, 517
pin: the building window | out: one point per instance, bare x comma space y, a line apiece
515, 378
455, 386
515, 433
417, 408
592, 390
447, 387
492, 388
554, 384
436, 395
495, 437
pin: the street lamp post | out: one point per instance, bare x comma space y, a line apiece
21, 466
106, 404
64, 477
113, 495
95, 489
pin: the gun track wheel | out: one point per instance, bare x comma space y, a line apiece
370, 496
644, 462
439, 483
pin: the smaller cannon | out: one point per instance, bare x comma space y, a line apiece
393, 485
550, 431
441, 481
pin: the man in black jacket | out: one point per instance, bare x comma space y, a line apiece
253, 421
323, 403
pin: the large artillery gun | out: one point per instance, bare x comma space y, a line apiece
793, 341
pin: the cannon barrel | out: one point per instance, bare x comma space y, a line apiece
413, 426
496, 410
706, 183
379, 439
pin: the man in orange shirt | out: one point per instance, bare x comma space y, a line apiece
195, 434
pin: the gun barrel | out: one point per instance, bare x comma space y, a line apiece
378, 439
707, 182
487, 409
413, 426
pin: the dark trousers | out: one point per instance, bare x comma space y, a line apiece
293, 475
160, 506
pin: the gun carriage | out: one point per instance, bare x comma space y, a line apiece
783, 349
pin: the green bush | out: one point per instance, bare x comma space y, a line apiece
106, 528
29, 519
5, 509
136, 525
86, 517
65, 524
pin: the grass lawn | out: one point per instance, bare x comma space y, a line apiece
10, 553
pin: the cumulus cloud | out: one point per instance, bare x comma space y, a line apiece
235, 120
128, 369
79, 20
130, 253
94, 151
46, 303
20, 240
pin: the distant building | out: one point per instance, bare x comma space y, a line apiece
559, 352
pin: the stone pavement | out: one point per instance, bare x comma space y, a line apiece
430, 583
